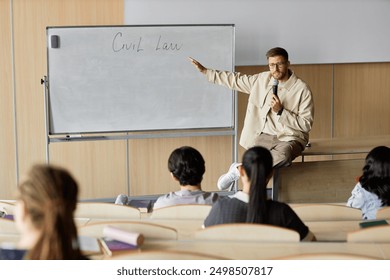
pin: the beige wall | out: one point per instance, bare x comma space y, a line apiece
350, 99
7, 118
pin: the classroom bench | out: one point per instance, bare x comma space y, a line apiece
265, 251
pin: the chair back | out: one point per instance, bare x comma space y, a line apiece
149, 230
164, 255
247, 232
327, 256
104, 210
183, 211
378, 234
8, 226
383, 213
326, 212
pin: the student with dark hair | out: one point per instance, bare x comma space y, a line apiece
187, 167
373, 188
251, 205
44, 216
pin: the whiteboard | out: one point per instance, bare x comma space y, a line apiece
137, 78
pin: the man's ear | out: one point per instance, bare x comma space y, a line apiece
173, 177
242, 171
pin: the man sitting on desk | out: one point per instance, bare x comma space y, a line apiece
280, 108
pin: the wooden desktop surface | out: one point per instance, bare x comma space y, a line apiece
325, 231
259, 251
347, 145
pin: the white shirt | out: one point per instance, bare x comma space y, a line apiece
368, 202
240, 195
185, 197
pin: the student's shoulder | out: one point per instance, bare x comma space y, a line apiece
11, 254
228, 202
167, 196
272, 204
164, 200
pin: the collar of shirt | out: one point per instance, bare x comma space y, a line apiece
188, 192
287, 84
290, 82
244, 197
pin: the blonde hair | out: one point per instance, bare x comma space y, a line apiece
50, 195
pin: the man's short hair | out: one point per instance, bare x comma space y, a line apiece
276, 52
187, 165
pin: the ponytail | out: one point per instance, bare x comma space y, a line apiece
257, 163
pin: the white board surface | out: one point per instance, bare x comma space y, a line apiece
137, 78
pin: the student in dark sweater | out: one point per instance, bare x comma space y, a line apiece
251, 204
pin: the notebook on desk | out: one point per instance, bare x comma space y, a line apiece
372, 223
111, 245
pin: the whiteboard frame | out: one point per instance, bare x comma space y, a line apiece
147, 134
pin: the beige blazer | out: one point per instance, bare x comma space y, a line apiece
296, 118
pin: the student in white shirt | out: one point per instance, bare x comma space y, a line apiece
373, 188
187, 167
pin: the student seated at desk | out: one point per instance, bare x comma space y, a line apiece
251, 204
44, 216
187, 166
373, 188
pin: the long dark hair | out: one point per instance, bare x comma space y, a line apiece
257, 163
50, 196
376, 173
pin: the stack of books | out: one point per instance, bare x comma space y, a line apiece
114, 239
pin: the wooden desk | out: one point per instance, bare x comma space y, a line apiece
185, 228
9, 238
334, 231
263, 251
331, 236
325, 231
81, 221
345, 145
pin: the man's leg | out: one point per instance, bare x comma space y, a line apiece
283, 153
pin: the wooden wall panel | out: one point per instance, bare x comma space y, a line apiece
362, 99
8, 174
99, 166
31, 17
149, 162
319, 78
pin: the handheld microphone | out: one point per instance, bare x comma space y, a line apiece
275, 87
